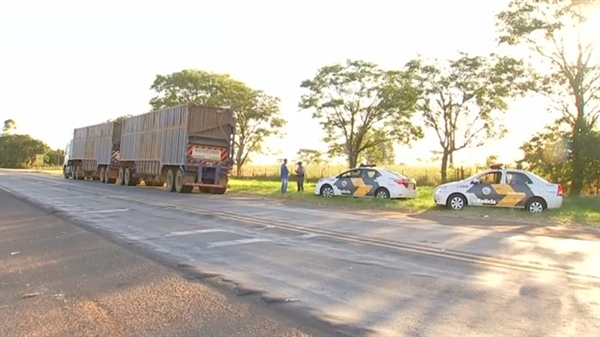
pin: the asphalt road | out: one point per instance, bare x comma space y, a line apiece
363, 273
57, 279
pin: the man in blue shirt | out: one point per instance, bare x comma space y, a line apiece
284, 176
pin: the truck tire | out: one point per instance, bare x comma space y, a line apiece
78, 174
171, 180
121, 177
223, 180
107, 177
65, 174
179, 186
129, 180
217, 190
102, 174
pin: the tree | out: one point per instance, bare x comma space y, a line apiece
355, 98
258, 114
8, 126
569, 71
490, 160
18, 151
255, 122
462, 100
549, 153
310, 157
383, 152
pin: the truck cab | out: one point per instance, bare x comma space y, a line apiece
67, 165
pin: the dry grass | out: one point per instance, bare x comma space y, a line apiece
424, 175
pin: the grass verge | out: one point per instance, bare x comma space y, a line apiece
575, 211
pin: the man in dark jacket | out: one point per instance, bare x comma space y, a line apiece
300, 177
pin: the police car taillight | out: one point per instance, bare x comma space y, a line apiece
404, 182
560, 190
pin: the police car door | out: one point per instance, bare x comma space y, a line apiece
344, 182
487, 190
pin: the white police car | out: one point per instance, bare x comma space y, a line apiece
498, 187
367, 181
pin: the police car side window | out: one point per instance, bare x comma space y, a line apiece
517, 178
491, 178
371, 174
351, 174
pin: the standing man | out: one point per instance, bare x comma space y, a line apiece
300, 177
284, 176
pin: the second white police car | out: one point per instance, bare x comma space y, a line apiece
499, 187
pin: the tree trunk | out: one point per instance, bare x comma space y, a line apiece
238, 169
578, 164
444, 168
352, 160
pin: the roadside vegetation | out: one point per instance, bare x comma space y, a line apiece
582, 210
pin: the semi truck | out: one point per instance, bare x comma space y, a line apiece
185, 146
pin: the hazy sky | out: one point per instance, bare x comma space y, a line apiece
67, 64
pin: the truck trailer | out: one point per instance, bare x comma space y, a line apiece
183, 146
94, 152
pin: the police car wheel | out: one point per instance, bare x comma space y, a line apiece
457, 202
382, 193
535, 205
327, 191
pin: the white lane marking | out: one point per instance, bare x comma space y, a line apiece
108, 211
235, 242
308, 236
197, 231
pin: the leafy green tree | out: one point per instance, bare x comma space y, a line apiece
310, 157
8, 126
462, 100
490, 160
549, 153
383, 152
357, 97
258, 114
19, 151
569, 71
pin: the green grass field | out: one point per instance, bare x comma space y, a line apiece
578, 211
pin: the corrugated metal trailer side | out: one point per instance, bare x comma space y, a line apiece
92, 145
154, 139
211, 125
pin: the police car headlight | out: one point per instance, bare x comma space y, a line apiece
439, 189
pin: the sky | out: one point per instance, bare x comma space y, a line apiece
68, 64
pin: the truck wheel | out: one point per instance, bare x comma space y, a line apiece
78, 173
129, 180
107, 178
217, 190
121, 177
65, 174
102, 175
179, 186
170, 180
